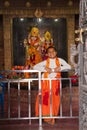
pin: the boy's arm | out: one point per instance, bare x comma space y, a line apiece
40, 66
64, 65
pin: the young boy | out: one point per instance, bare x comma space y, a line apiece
52, 68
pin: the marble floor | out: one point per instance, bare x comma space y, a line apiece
61, 124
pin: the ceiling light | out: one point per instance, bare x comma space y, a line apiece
55, 20
39, 20
21, 19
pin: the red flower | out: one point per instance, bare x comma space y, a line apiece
74, 79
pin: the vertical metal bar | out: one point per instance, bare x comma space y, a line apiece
29, 102
60, 97
70, 97
8, 99
50, 97
18, 99
40, 100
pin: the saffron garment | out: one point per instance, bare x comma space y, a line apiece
45, 85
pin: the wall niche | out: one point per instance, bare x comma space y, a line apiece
22, 27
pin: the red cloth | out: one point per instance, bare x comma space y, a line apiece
45, 98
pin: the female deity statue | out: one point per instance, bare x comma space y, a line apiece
47, 41
33, 45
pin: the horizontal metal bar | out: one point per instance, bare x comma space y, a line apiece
32, 71
23, 118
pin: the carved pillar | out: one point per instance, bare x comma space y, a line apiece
82, 38
70, 32
7, 42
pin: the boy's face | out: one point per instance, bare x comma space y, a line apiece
51, 53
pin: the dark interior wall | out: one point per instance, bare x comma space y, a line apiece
1, 44
1, 31
22, 28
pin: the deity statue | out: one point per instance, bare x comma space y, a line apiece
33, 45
46, 42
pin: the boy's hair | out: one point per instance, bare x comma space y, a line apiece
50, 48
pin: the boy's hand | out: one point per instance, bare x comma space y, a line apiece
57, 69
49, 70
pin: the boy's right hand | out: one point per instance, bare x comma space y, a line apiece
49, 70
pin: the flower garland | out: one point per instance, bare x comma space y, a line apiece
16, 75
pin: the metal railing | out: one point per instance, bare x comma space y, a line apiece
20, 83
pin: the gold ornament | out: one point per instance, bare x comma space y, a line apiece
38, 13
28, 4
7, 3
47, 36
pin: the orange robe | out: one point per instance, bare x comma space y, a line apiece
45, 85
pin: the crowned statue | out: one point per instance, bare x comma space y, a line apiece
46, 42
33, 48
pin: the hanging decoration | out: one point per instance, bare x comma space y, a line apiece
38, 13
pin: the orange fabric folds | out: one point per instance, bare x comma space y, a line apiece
54, 90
